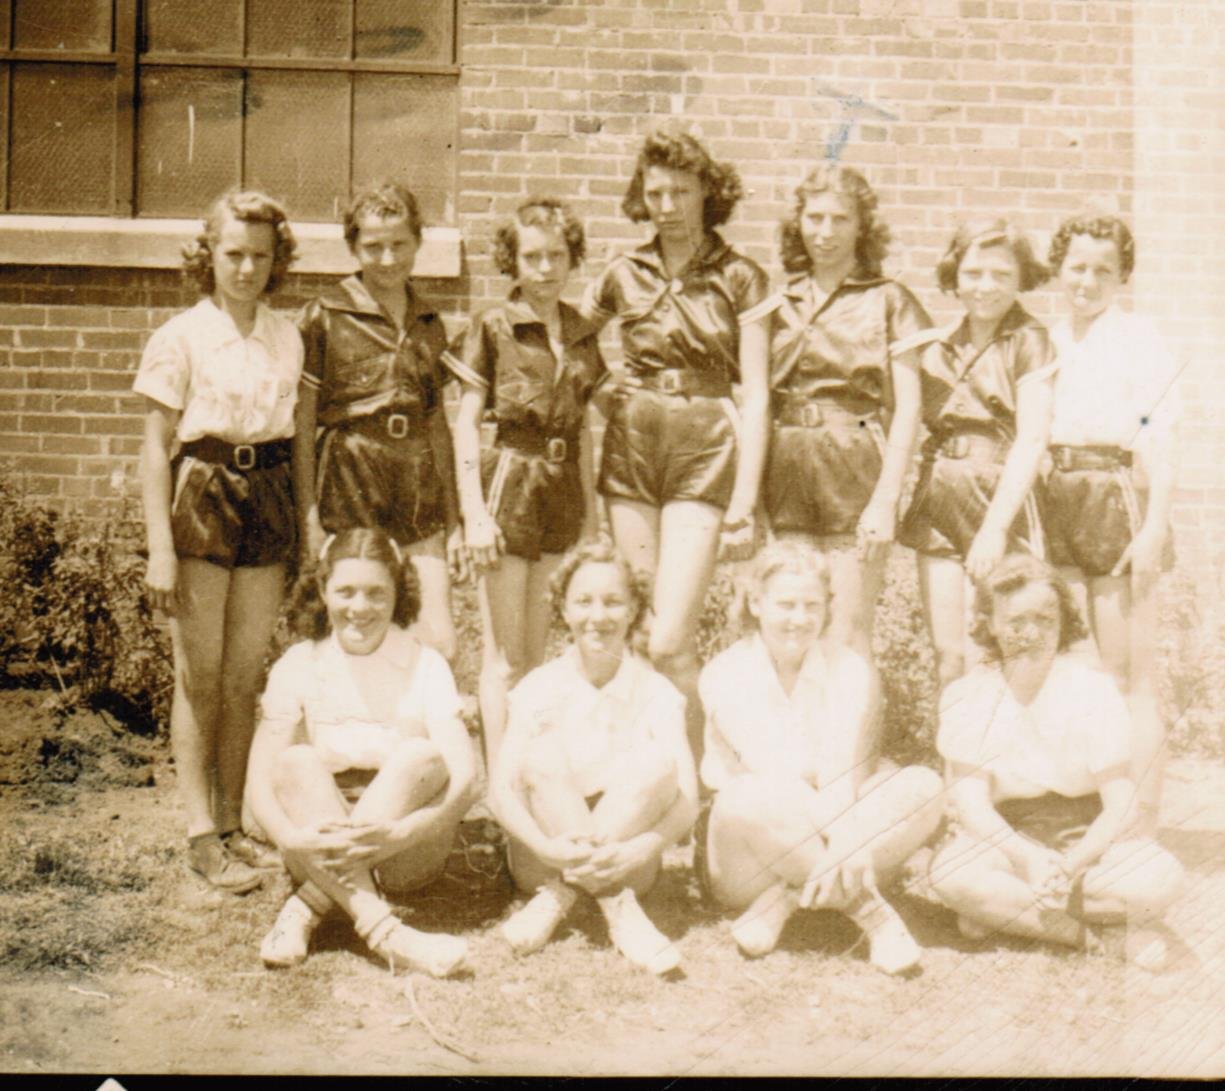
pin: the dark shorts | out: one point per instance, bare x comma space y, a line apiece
701, 852
951, 500
1091, 515
232, 518
1055, 821
364, 479
818, 480
662, 447
538, 504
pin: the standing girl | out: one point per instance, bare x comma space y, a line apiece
986, 386
536, 362
361, 770
837, 383
678, 464
1112, 480
373, 380
220, 383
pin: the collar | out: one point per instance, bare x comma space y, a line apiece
711, 252
620, 687
399, 648
812, 669
574, 327
352, 295
222, 325
797, 287
1015, 319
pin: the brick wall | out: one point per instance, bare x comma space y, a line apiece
1034, 108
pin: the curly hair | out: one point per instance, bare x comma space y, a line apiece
307, 612
997, 232
601, 551
1096, 227
783, 555
679, 151
544, 212
384, 201
1014, 572
872, 242
242, 206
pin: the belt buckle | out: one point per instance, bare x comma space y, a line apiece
811, 415
245, 456
556, 449
397, 425
956, 447
671, 382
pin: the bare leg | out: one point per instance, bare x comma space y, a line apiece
251, 606
856, 583
434, 627
942, 587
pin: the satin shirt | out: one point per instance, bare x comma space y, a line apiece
361, 363
691, 320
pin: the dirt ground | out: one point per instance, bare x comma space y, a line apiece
117, 961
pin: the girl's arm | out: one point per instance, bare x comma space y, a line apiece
1159, 457
1119, 810
1035, 400
879, 520
310, 533
481, 532
156, 490
850, 752
586, 469
754, 431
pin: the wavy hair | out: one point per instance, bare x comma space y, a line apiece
997, 232
242, 206
783, 555
544, 212
307, 612
601, 551
680, 151
1096, 227
872, 242
1014, 572
384, 201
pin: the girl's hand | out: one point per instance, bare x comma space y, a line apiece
458, 563
336, 846
312, 539
876, 528
1048, 878
838, 878
1143, 555
484, 541
986, 551
737, 537
612, 865
161, 581
564, 852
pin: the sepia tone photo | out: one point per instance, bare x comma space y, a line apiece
612, 537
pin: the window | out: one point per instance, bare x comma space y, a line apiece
150, 108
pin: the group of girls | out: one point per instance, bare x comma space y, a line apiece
332, 434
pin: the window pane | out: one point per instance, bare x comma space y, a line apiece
298, 28
63, 136
404, 129
193, 26
189, 139
297, 140
63, 24
409, 30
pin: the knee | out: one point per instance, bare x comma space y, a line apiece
950, 663
295, 767
544, 764
922, 792
420, 760
505, 665
672, 653
200, 684
654, 770
952, 876
743, 802
1141, 875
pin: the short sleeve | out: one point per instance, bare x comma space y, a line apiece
471, 357
600, 300
441, 698
1106, 721
965, 720
283, 701
764, 309
1033, 356
312, 324
750, 286
906, 318
165, 367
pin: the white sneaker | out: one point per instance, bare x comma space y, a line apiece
635, 936
891, 947
405, 948
531, 927
757, 929
289, 937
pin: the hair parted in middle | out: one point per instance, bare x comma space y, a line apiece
600, 551
543, 212
996, 232
872, 242
307, 611
677, 150
243, 206
783, 555
384, 201
1014, 572
1096, 227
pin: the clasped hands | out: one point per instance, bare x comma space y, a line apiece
587, 863
340, 845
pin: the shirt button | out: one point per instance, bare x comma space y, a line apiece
677, 285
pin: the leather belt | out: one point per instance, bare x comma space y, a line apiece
686, 382
241, 456
531, 442
1090, 458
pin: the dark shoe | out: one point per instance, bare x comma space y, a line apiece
247, 850
206, 856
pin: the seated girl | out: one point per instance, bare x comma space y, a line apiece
361, 768
1038, 750
594, 778
803, 813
